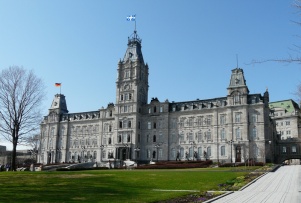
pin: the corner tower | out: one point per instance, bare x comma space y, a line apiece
238, 90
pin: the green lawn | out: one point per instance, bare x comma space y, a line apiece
109, 185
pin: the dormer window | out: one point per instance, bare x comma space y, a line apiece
236, 98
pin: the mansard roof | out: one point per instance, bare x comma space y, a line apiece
210, 103
59, 103
289, 105
133, 51
237, 78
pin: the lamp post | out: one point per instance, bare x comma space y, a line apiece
101, 150
157, 146
137, 149
231, 143
58, 152
126, 151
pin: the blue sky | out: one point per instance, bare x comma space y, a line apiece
190, 46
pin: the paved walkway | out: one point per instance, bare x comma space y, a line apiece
284, 185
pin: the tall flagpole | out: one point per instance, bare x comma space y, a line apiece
135, 22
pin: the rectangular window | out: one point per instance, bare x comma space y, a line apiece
149, 125
254, 118
237, 118
125, 109
208, 135
222, 119
223, 151
149, 110
208, 121
181, 137
223, 134
284, 149
127, 74
190, 122
200, 138
190, 136
294, 149
161, 109
200, 120
160, 153
288, 122
254, 133
237, 133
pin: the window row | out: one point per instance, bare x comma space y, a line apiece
282, 123
125, 97
153, 138
286, 149
154, 109
125, 124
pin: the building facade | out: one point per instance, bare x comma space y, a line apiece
287, 118
232, 128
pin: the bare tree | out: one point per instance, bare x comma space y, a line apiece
21, 94
296, 58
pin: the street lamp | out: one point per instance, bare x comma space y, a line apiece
58, 151
137, 149
101, 150
126, 151
231, 143
157, 146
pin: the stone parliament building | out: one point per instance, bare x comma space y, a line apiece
233, 128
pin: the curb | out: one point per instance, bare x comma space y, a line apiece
218, 197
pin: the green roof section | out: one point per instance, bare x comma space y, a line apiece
289, 105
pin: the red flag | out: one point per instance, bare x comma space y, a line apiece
57, 84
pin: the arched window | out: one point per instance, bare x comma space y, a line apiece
223, 150
208, 151
181, 152
154, 154
200, 152
129, 138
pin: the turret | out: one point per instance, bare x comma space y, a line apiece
59, 105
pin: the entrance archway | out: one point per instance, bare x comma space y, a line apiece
238, 154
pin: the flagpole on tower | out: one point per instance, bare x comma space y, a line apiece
132, 18
58, 85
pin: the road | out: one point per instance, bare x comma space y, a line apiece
284, 185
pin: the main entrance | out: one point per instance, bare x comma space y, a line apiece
238, 154
123, 153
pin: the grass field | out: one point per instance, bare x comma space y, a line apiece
109, 185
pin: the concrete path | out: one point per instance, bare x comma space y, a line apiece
284, 185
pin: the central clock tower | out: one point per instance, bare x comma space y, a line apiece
131, 95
